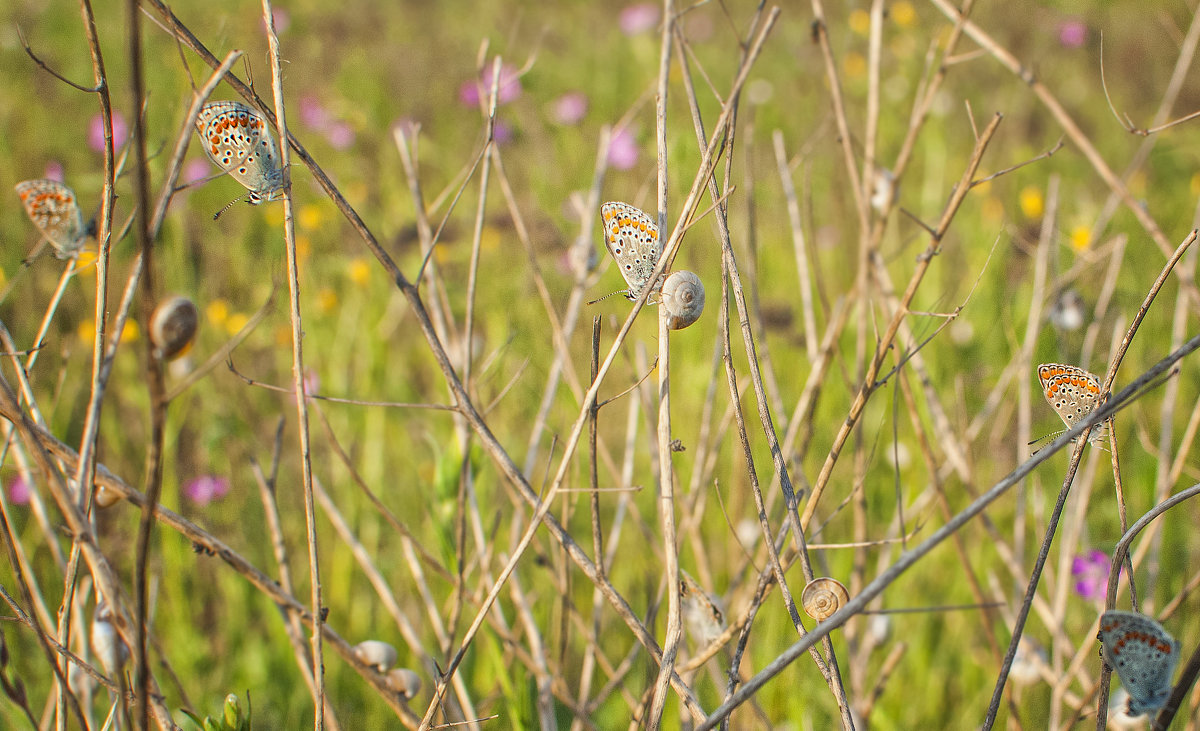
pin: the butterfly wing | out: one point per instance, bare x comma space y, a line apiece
631, 237
53, 209
237, 140
1073, 393
1144, 656
1153, 682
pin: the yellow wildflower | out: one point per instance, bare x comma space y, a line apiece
904, 14
327, 299
217, 312
1033, 204
855, 65
235, 323
1080, 237
360, 271
86, 332
310, 217
860, 22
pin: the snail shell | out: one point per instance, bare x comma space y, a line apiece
379, 655
682, 299
822, 597
404, 682
107, 642
106, 498
173, 326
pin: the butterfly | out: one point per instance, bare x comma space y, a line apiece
1144, 656
1073, 393
54, 210
236, 138
632, 238
701, 615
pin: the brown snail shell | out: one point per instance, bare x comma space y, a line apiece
405, 682
822, 597
173, 326
106, 498
379, 655
682, 299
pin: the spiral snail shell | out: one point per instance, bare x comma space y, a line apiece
404, 682
682, 299
106, 498
173, 326
822, 597
379, 655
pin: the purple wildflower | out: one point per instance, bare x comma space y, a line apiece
1072, 33
502, 133
281, 19
570, 108
312, 112
1090, 572
206, 488
635, 19
315, 115
196, 169
18, 491
340, 135
510, 86
54, 171
622, 150
96, 131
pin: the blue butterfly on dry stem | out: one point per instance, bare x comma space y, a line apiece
631, 236
236, 138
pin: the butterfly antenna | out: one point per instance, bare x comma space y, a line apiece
610, 294
227, 207
1045, 438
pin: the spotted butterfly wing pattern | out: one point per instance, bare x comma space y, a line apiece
1073, 393
54, 210
1144, 656
632, 238
237, 140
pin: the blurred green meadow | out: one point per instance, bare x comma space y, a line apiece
1038, 239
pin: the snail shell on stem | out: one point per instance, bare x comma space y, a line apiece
405, 682
106, 498
822, 597
682, 299
107, 642
173, 326
379, 655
